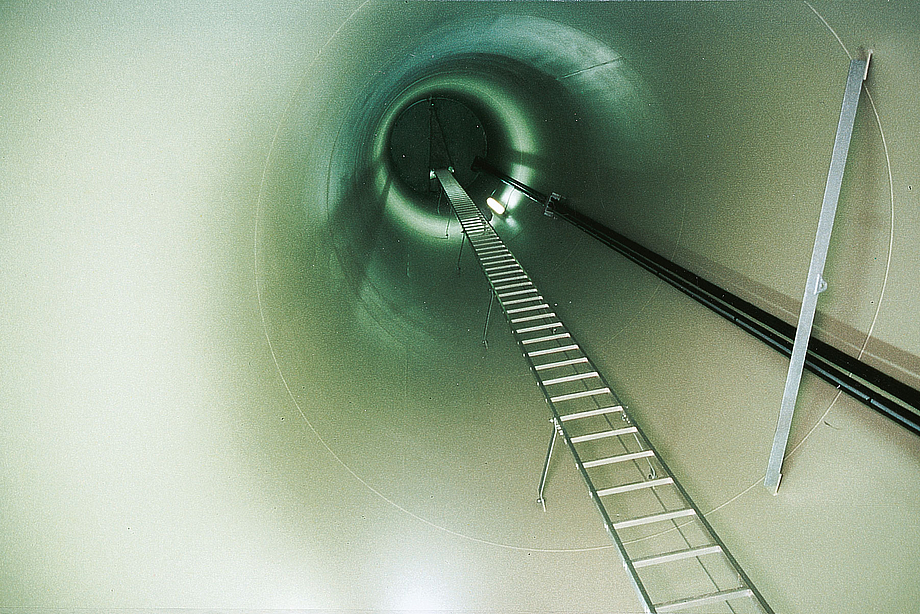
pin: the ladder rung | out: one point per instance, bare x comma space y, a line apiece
523, 300
547, 338
519, 281
511, 276
500, 267
518, 278
691, 602
530, 308
511, 269
592, 412
539, 316
618, 459
676, 556
556, 350
603, 434
515, 285
579, 395
638, 522
531, 329
516, 292
571, 378
635, 486
562, 363
505, 256
509, 273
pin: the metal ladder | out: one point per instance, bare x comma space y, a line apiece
672, 555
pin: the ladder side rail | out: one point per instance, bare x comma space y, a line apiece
595, 498
712, 533
683, 493
638, 586
647, 443
483, 227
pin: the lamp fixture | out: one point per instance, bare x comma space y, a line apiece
495, 205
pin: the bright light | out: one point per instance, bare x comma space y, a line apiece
495, 205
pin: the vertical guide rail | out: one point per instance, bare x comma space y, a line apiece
671, 554
815, 283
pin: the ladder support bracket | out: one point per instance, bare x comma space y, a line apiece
815, 283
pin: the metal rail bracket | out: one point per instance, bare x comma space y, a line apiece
815, 284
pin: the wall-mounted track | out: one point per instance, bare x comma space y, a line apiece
865, 383
672, 555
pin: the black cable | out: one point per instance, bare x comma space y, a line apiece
880, 391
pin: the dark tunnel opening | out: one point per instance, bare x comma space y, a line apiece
435, 132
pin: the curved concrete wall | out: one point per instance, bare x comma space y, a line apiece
241, 369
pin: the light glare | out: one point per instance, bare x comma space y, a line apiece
495, 205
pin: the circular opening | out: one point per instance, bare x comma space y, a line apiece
435, 132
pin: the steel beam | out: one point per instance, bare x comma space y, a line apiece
815, 283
